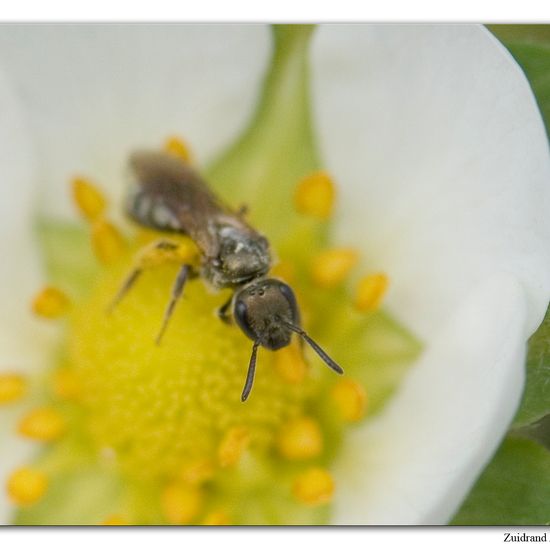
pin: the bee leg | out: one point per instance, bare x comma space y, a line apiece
158, 253
177, 291
223, 313
126, 286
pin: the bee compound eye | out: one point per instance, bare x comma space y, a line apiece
288, 293
240, 313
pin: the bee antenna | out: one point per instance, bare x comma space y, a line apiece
316, 347
250, 374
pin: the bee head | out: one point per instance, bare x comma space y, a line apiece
263, 310
267, 312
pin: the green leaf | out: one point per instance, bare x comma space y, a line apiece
513, 490
536, 397
534, 34
530, 46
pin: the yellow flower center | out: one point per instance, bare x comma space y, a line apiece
159, 407
164, 424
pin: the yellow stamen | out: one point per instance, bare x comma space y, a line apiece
26, 486
107, 242
331, 267
218, 517
300, 439
315, 195
50, 303
12, 387
88, 198
42, 424
176, 146
290, 364
198, 471
114, 519
349, 399
233, 445
66, 384
181, 503
314, 487
371, 291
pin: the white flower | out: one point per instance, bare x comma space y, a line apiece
438, 147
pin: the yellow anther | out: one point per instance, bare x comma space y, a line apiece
285, 270
315, 195
42, 424
50, 303
114, 519
66, 384
233, 445
371, 291
176, 146
26, 486
290, 364
300, 439
314, 487
12, 387
331, 267
217, 517
181, 504
198, 471
88, 198
107, 242
349, 399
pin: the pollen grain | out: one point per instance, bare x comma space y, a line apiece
314, 487
107, 241
89, 200
42, 424
300, 439
12, 387
315, 195
179, 148
50, 303
349, 399
330, 267
371, 291
26, 486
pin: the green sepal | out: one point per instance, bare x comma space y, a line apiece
513, 490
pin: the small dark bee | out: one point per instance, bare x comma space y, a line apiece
168, 196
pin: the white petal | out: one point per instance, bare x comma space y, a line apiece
95, 93
417, 461
19, 274
437, 143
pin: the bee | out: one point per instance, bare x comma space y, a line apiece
167, 195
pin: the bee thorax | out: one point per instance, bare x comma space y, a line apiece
241, 258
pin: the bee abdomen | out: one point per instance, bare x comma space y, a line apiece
151, 211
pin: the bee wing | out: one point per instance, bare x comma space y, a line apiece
168, 195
